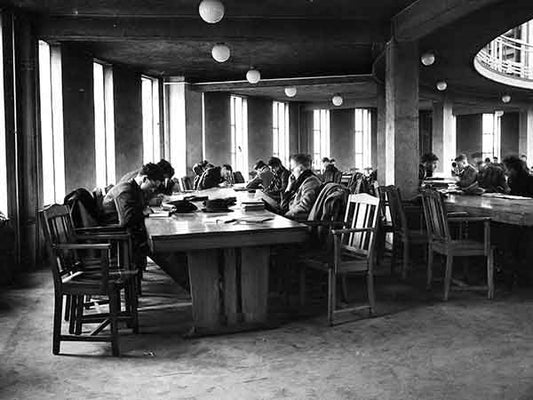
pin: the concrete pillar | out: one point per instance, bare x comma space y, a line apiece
525, 138
401, 100
193, 126
444, 134
342, 138
381, 147
260, 136
217, 132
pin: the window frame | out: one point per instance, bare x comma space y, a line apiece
239, 133
280, 131
321, 136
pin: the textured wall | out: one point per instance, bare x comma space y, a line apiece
217, 128
78, 117
510, 133
469, 134
342, 139
128, 121
193, 110
260, 135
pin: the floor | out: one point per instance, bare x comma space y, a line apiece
416, 348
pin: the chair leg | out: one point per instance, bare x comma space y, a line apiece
56, 337
114, 305
72, 314
79, 314
302, 286
332, 295
430, 268
67, 306
448, 276
134, 309
490, 273
405, 266
370, 290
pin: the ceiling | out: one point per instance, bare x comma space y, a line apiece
287, 40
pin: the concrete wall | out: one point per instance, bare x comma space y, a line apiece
260, 136
193, 118
128, 120
510, 133
78, 117
342, 138
374, 139
294, 128
217, 133
469, 134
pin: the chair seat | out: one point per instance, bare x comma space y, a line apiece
349, 263
460, 247
90, 283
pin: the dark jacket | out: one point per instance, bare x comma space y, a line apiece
124, 205
262, 180
331, 174
521, 184
279, 184
492, 179
211, 178
467, 176
303, 198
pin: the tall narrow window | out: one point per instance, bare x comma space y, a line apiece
150, 112
3, 161
52, 144
320, 136
104, 124
362, 138
491, 135
239, 134
280, 128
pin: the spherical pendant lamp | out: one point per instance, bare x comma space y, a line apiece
442, 85
427, 59
290, 91
506, 98
220, 53
337, 100
253, 76
211, 11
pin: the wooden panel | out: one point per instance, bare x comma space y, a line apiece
507, 211
230, 286
204, 278
254, 283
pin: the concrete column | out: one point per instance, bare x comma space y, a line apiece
260, 136
444, 134
342, 138
217, 132
193, 126
401, 99
525, 138
381, 153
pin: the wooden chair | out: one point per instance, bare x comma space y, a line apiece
237, 177
441, 242
77, 276
402, 234
185, 184
346, 177
353, 252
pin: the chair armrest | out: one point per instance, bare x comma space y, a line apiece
453, 214
351, 230
101, 228
78, 246
469, 219
324, 223
104, 236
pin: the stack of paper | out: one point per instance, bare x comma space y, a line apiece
252, 205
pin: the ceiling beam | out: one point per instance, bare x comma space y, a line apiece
90, 29
284, 82
426, 16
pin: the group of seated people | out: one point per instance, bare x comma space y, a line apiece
512, 176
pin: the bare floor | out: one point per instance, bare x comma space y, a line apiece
416, 348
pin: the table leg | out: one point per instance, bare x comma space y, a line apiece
254, 283
204, 279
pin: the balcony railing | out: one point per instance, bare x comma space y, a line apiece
507, 60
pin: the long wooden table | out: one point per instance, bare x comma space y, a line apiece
507, 211
228, 262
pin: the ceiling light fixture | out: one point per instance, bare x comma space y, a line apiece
442, 86
290, 91
337, 100
428, 59
499, 113
253, 76
220, 52
506, 98
211, 11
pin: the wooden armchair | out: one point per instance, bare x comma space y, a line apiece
84, 265
353, 252
441, 242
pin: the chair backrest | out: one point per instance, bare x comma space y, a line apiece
346, 178
394, 198
58, 229
435, 215
362, 212
185, 183
83, 207
237, 177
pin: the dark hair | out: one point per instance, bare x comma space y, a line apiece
259, 164
461, 157
487, 160
275, 162
166, 168
152, 172
325, 159
332, 160
429, 157
227, 167
302, 159
516, 164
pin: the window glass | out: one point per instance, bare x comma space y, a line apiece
321, 139
362, 138
280, 130
150, 113
3, 161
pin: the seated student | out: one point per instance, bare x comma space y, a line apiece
279, 182
490, 177
325, 163
212, 177
226, 173
330, 172
428, 165
520, 181
198, 170
302, 190
263, 176
466, 174
166, 185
